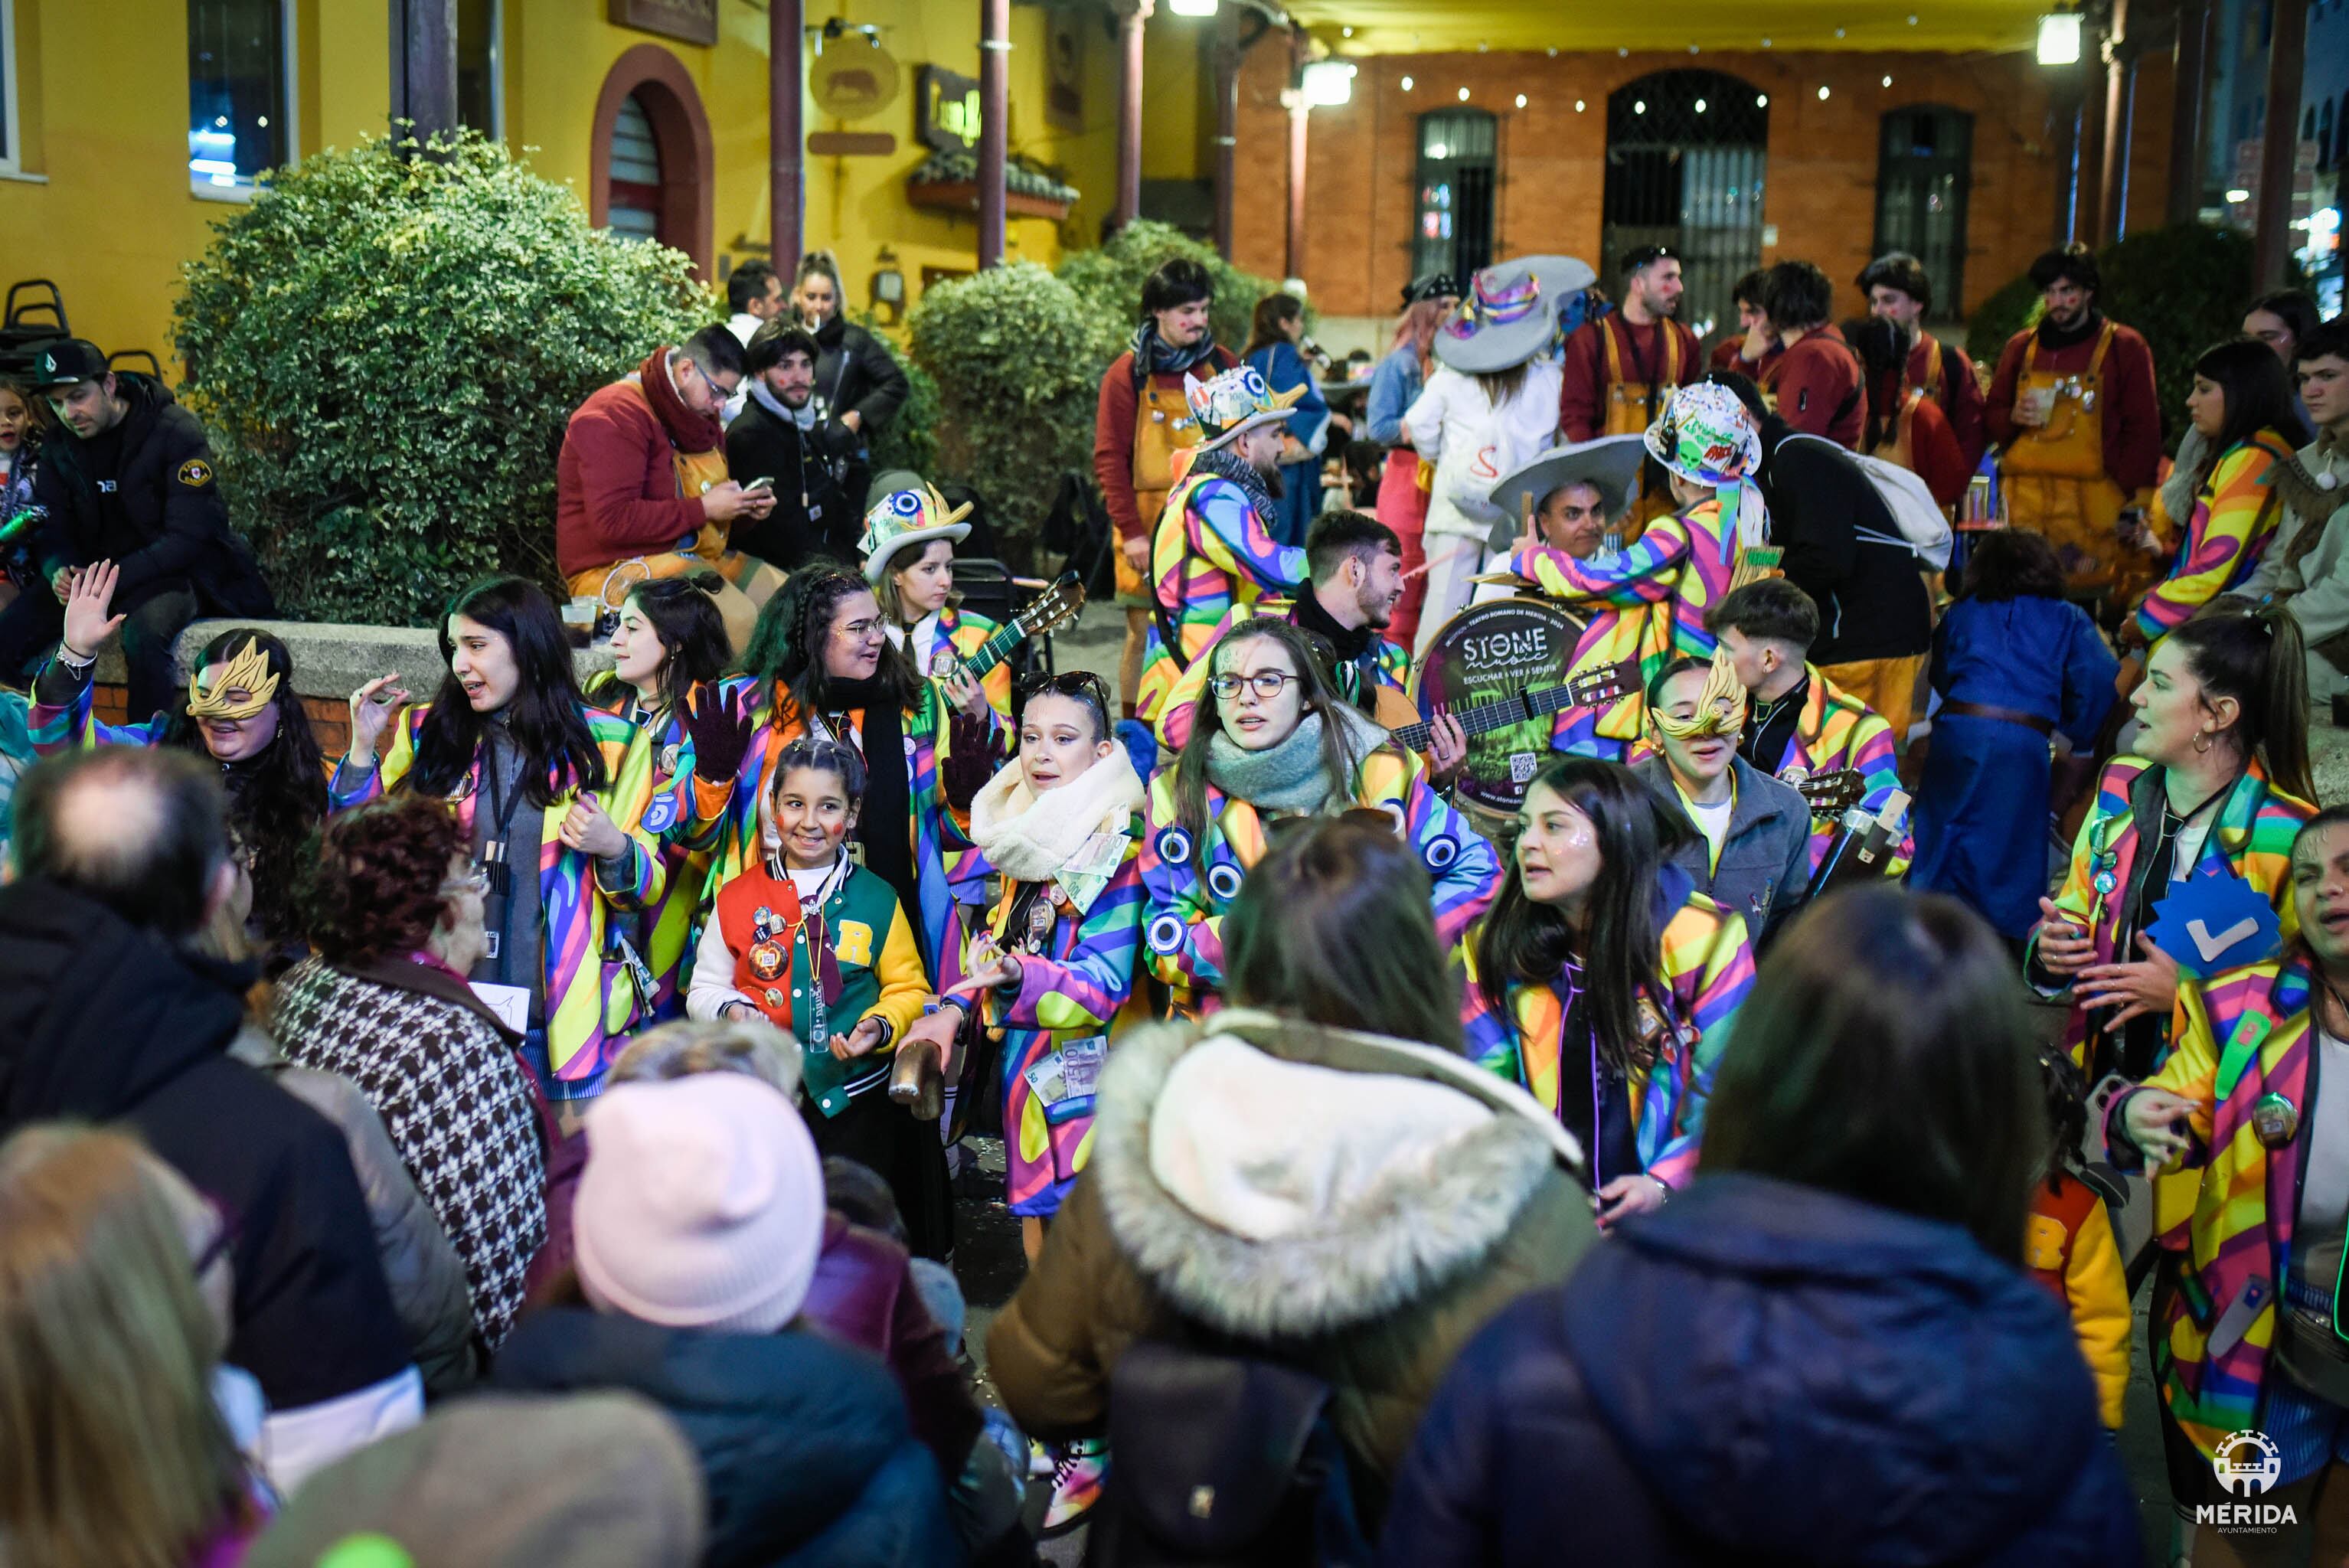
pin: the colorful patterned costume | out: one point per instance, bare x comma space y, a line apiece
2234, 517
1647, 602
1183, 933
2242, 1035
591, 999
1391, 662
662, 932
1706, 966
1213, 552
1839, 732
1071, 994
2251, 840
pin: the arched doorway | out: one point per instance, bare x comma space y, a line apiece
1924, 168
1685, 167
651, 167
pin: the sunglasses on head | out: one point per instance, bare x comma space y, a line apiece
1082, 685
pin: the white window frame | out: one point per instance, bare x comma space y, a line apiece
203, 189
12, 152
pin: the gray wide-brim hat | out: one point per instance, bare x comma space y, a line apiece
1508, 316
1609, 463
1562, 277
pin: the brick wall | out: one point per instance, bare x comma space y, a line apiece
1820, 179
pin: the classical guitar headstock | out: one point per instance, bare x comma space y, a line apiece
1834, 792
1054, 608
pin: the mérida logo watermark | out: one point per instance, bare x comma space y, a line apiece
2247, 1464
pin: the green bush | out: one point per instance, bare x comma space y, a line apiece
1108, 282
1018, 366
387, 346
2184, 288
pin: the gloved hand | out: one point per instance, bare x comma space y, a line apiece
721, 738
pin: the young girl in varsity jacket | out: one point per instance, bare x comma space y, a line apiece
811, 941
1603, 983
1053, 961
565, 823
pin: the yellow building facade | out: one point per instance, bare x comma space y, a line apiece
103, 186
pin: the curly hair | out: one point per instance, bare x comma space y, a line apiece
375, 885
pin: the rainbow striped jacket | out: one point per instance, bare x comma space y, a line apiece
965, 633
1073, 990
1707, 968
1839, 732
1647, 602
1210, 554
1182, 928
2242, 1035
2234, 517
1174, 723
662, 931
726, 812
2251, 840
62, 727
592, 1002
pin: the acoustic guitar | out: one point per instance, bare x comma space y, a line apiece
1609, 683
1053, 609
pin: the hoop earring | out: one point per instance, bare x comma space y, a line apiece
2202, 740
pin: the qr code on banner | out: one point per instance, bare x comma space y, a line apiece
1522, 765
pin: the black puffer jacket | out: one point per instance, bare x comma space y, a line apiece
171, 497
103, 1021
855, 374
804, 1445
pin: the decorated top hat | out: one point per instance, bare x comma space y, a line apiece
1705, 436
1505, 320
1234, 400
906, 519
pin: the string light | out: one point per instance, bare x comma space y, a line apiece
1521, 101
1406, 83
1464, 95
1823, 92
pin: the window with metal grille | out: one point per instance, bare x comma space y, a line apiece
1685, 154
240, 91
1452, 229
1924, 166
634, 212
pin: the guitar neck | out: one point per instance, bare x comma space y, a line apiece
1486, 716
994, 651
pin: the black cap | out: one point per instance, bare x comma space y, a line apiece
66, 361
1434, 286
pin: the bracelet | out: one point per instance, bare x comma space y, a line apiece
74, 660
1660, 1182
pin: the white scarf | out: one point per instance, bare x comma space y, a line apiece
1032, 838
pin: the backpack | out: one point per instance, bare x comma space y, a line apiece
1924, 528
1222, 1461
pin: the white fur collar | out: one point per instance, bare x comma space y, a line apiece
1403, 1169
1030, 838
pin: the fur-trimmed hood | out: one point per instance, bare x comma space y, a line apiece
1277, 1179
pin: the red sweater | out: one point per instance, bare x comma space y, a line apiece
615, 484
1817, 383
2132, 409
1582, 390
1121, 404
1729, 354
1960, 394
1934, 451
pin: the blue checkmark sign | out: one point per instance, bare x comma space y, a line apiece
2212, 922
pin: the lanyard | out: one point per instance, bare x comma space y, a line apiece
496, 860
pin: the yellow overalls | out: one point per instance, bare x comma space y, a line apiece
2054, 476
1631, 408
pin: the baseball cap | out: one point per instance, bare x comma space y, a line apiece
66, 361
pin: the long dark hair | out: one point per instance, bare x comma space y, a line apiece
1335, 926
1522, 942
685, 620
1886, 1054
276, 799
1337, 758
2254, 654
2257, 392
1274, 312
558, 749
787, 644
1884, 346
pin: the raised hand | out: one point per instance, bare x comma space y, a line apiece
371, 710
88, 596
720, 737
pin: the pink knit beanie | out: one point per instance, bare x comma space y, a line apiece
701, 1205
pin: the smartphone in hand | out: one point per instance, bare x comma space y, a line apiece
763, 482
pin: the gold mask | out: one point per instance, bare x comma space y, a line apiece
1720, 708
248, 672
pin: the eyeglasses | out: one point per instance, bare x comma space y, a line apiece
1265, 684
475, 881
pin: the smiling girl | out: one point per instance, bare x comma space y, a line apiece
815, 944
241, 710
1602, 983
543, 783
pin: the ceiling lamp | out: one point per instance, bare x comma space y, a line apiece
1328, 83
2059, 38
